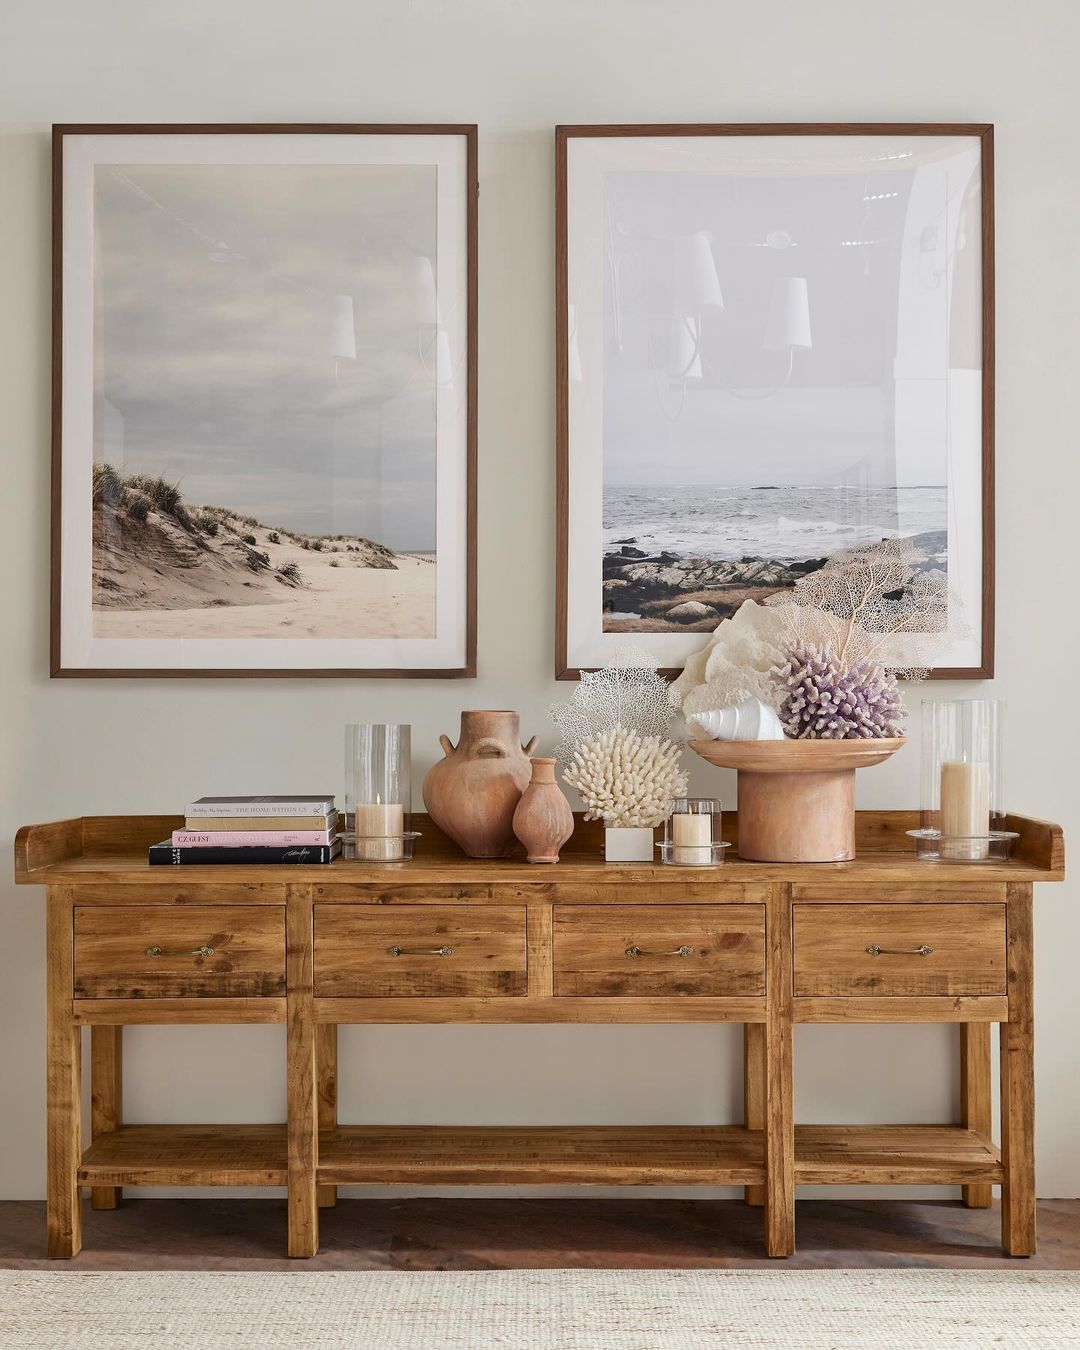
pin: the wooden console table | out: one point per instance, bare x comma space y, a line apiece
448, 939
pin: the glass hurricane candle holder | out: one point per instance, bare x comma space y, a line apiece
963, 795
692, 833
378, 793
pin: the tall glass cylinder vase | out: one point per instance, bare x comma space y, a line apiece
963, 784
378, 792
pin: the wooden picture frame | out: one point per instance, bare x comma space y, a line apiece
394, 610
593, 162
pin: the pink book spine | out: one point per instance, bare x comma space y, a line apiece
249, 838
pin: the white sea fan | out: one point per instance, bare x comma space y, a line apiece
627, 693
626, 779
869, 605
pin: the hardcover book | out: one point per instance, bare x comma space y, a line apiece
245, 824
261, 806
166, 854
249, 838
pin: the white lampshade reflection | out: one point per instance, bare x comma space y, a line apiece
573, 353
341, 341
696, 283
789, 316
684, 348
424, 294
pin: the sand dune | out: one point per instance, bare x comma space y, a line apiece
157, 578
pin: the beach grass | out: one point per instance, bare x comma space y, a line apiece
166, 496
108, 486
137, 504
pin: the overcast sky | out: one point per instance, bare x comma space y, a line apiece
220, 328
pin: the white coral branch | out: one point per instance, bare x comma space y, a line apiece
626, 779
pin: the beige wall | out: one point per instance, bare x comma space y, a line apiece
517, 68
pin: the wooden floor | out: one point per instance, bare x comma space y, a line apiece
451, 1234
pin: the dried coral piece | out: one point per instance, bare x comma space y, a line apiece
823, 699
626, 779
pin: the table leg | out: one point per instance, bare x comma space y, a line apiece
1018, 1083
975, 1109
754, 1092
106, 1098
779, 1084
64, 1090
303, 1125
326, 1059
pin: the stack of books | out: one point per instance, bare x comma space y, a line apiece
253, 830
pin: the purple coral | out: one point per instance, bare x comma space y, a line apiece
824, 700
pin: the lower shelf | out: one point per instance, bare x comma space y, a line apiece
456, 1155
187, 1155
900, 1155
555, 1155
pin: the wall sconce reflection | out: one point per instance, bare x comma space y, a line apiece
693, 289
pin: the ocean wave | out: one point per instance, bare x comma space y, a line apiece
787, 524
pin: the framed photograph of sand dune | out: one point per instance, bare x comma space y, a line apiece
774, 343
264, 400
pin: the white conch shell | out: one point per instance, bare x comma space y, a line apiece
751, 720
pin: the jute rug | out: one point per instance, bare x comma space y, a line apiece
541, 1310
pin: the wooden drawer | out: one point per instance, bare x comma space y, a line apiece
393, 951
651, 950
113, 951
924, 949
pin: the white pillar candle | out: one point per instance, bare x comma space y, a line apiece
691, 837
965, 809
379, 831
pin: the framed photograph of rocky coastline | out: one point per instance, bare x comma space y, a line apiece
774, 342
264, 400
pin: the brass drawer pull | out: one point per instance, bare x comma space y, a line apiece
679, 951
924, 950
419, 951
199, 951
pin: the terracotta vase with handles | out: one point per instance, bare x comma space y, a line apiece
473, 792
543, 821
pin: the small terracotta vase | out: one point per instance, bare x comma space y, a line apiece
543, 821
472, 794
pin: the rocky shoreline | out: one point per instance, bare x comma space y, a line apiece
656, 593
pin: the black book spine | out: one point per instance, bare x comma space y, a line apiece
165, 855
